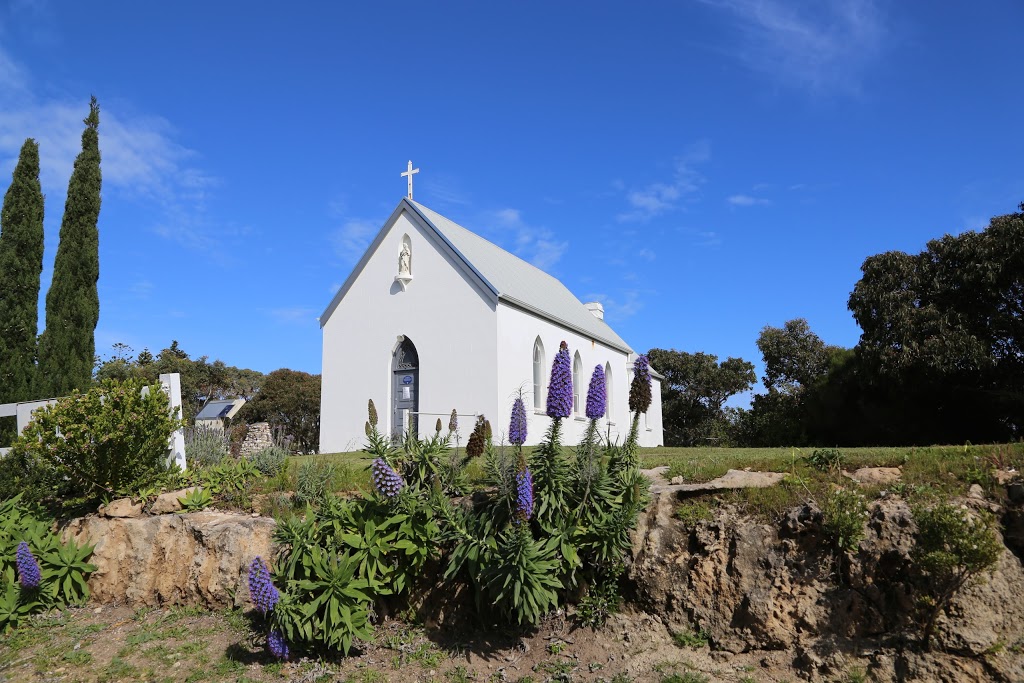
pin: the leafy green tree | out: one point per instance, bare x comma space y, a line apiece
943, 333
67, 346
796, 361
694, 392
201, 380
21, 262
289, 400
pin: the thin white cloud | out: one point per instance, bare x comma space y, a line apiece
664, 196
538, 245
824, 45
140, 158
646, 254
747, 200
353, 237
624, 305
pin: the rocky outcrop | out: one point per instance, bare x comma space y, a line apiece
169, 502
197, 559
755, 586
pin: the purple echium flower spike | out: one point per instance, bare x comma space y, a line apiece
277, 644
261, 589
524, 496
640, 388
517, 426
597, 394
560, 388
385, 479
28, 567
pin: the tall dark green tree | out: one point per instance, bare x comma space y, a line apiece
21, 262
68, 346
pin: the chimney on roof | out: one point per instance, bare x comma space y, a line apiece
596, 308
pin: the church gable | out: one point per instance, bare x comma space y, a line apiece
397, 246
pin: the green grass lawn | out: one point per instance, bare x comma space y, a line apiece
927, 471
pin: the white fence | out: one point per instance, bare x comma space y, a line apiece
171, 384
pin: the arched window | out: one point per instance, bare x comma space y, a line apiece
538, 375
610, 389
577, 364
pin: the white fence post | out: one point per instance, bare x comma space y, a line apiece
171, 383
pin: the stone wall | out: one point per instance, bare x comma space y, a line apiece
260, 436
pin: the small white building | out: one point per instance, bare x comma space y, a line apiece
434, 317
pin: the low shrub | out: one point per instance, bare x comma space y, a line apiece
37, 571
206, 446
954, 547
825, 459
313, 481
843, 516
270, 461
112, 437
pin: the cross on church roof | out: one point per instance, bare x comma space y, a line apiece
409, 172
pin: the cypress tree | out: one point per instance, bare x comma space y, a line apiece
21, 263
68, 345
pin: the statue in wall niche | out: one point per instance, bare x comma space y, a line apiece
405, 261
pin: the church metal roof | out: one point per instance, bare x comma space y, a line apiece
520, 283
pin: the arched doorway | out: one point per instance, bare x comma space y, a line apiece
405, 376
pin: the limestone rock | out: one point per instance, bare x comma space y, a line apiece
756, 586
976, 492
876, 476
168, 502
122, 507
733, 479
196, 559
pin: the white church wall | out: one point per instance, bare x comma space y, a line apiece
443, 311
517, 331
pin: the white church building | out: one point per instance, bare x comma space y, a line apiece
434, 317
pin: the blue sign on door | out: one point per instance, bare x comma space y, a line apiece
407, 379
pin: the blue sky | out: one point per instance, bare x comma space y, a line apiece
703, 167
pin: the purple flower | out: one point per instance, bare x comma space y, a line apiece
28, 567
385, 480
560, 388
517, 427
277, 644
261, 589
597, 394
524, 496
640, 388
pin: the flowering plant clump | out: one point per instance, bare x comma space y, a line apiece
524, 496
517, 426
477, 439
261, 589
385, 479
28, 567
560, 388
597, 394
640, 389
277, 645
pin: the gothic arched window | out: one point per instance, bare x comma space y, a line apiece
538, 375
610, 391
577, 365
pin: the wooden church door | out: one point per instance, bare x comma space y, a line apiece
404, 388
